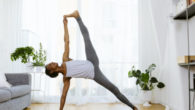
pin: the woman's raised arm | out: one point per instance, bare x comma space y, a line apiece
66, 41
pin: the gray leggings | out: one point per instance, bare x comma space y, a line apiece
99, 77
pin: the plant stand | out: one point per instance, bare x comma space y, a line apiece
36, 84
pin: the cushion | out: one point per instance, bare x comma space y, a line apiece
3, 81
21, 90
5, 95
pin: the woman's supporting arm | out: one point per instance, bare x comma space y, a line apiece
66, 41
65, 91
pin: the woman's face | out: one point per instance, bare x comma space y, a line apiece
52, 66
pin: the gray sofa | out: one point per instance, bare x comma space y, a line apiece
18, 96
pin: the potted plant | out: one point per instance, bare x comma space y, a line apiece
25, 54
146, 82
39, 59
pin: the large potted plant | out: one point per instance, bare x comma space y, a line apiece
28, 55
146, 82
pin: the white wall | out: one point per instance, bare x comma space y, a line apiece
162, 40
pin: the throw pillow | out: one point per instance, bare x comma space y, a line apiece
3, 81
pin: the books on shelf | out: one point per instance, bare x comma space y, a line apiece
185, 59
191, 1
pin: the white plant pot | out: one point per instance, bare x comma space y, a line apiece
28, 67
38, 69
146, 97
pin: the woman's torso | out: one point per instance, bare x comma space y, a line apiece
80, 69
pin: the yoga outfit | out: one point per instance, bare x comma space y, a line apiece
93, 58
80, 69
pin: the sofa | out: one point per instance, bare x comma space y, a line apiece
18, 97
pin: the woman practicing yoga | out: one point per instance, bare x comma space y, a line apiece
82, 68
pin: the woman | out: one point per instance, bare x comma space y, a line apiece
82, 69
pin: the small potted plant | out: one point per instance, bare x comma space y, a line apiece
39, 59
28, 55
146, 82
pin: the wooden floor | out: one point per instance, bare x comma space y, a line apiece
90, 107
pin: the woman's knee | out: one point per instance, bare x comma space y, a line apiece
116, 91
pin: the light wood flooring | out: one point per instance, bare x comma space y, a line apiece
115, 106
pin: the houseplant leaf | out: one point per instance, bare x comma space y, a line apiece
151, 68
137, 81
161, 85
138, 73
145, 77
153, 80
130, 74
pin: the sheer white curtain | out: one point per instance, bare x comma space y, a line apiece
40, 22
11, 35
155, 38
113, 27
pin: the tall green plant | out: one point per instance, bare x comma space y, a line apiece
39, 57
145, 79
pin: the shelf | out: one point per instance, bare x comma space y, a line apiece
182, 14
187, 64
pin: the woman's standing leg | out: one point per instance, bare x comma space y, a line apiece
102, 80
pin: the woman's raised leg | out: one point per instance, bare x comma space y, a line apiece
89, 49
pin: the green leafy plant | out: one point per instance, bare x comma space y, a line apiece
145, 79
23, 53
39, 57
26, 53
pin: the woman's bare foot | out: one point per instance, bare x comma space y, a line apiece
135, 108
75, 14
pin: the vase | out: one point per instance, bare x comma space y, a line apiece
146, 97
38, 69
28, 67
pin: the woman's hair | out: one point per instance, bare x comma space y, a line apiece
48, 72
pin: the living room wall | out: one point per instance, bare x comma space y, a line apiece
170, 41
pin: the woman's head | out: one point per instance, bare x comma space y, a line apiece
51, 69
